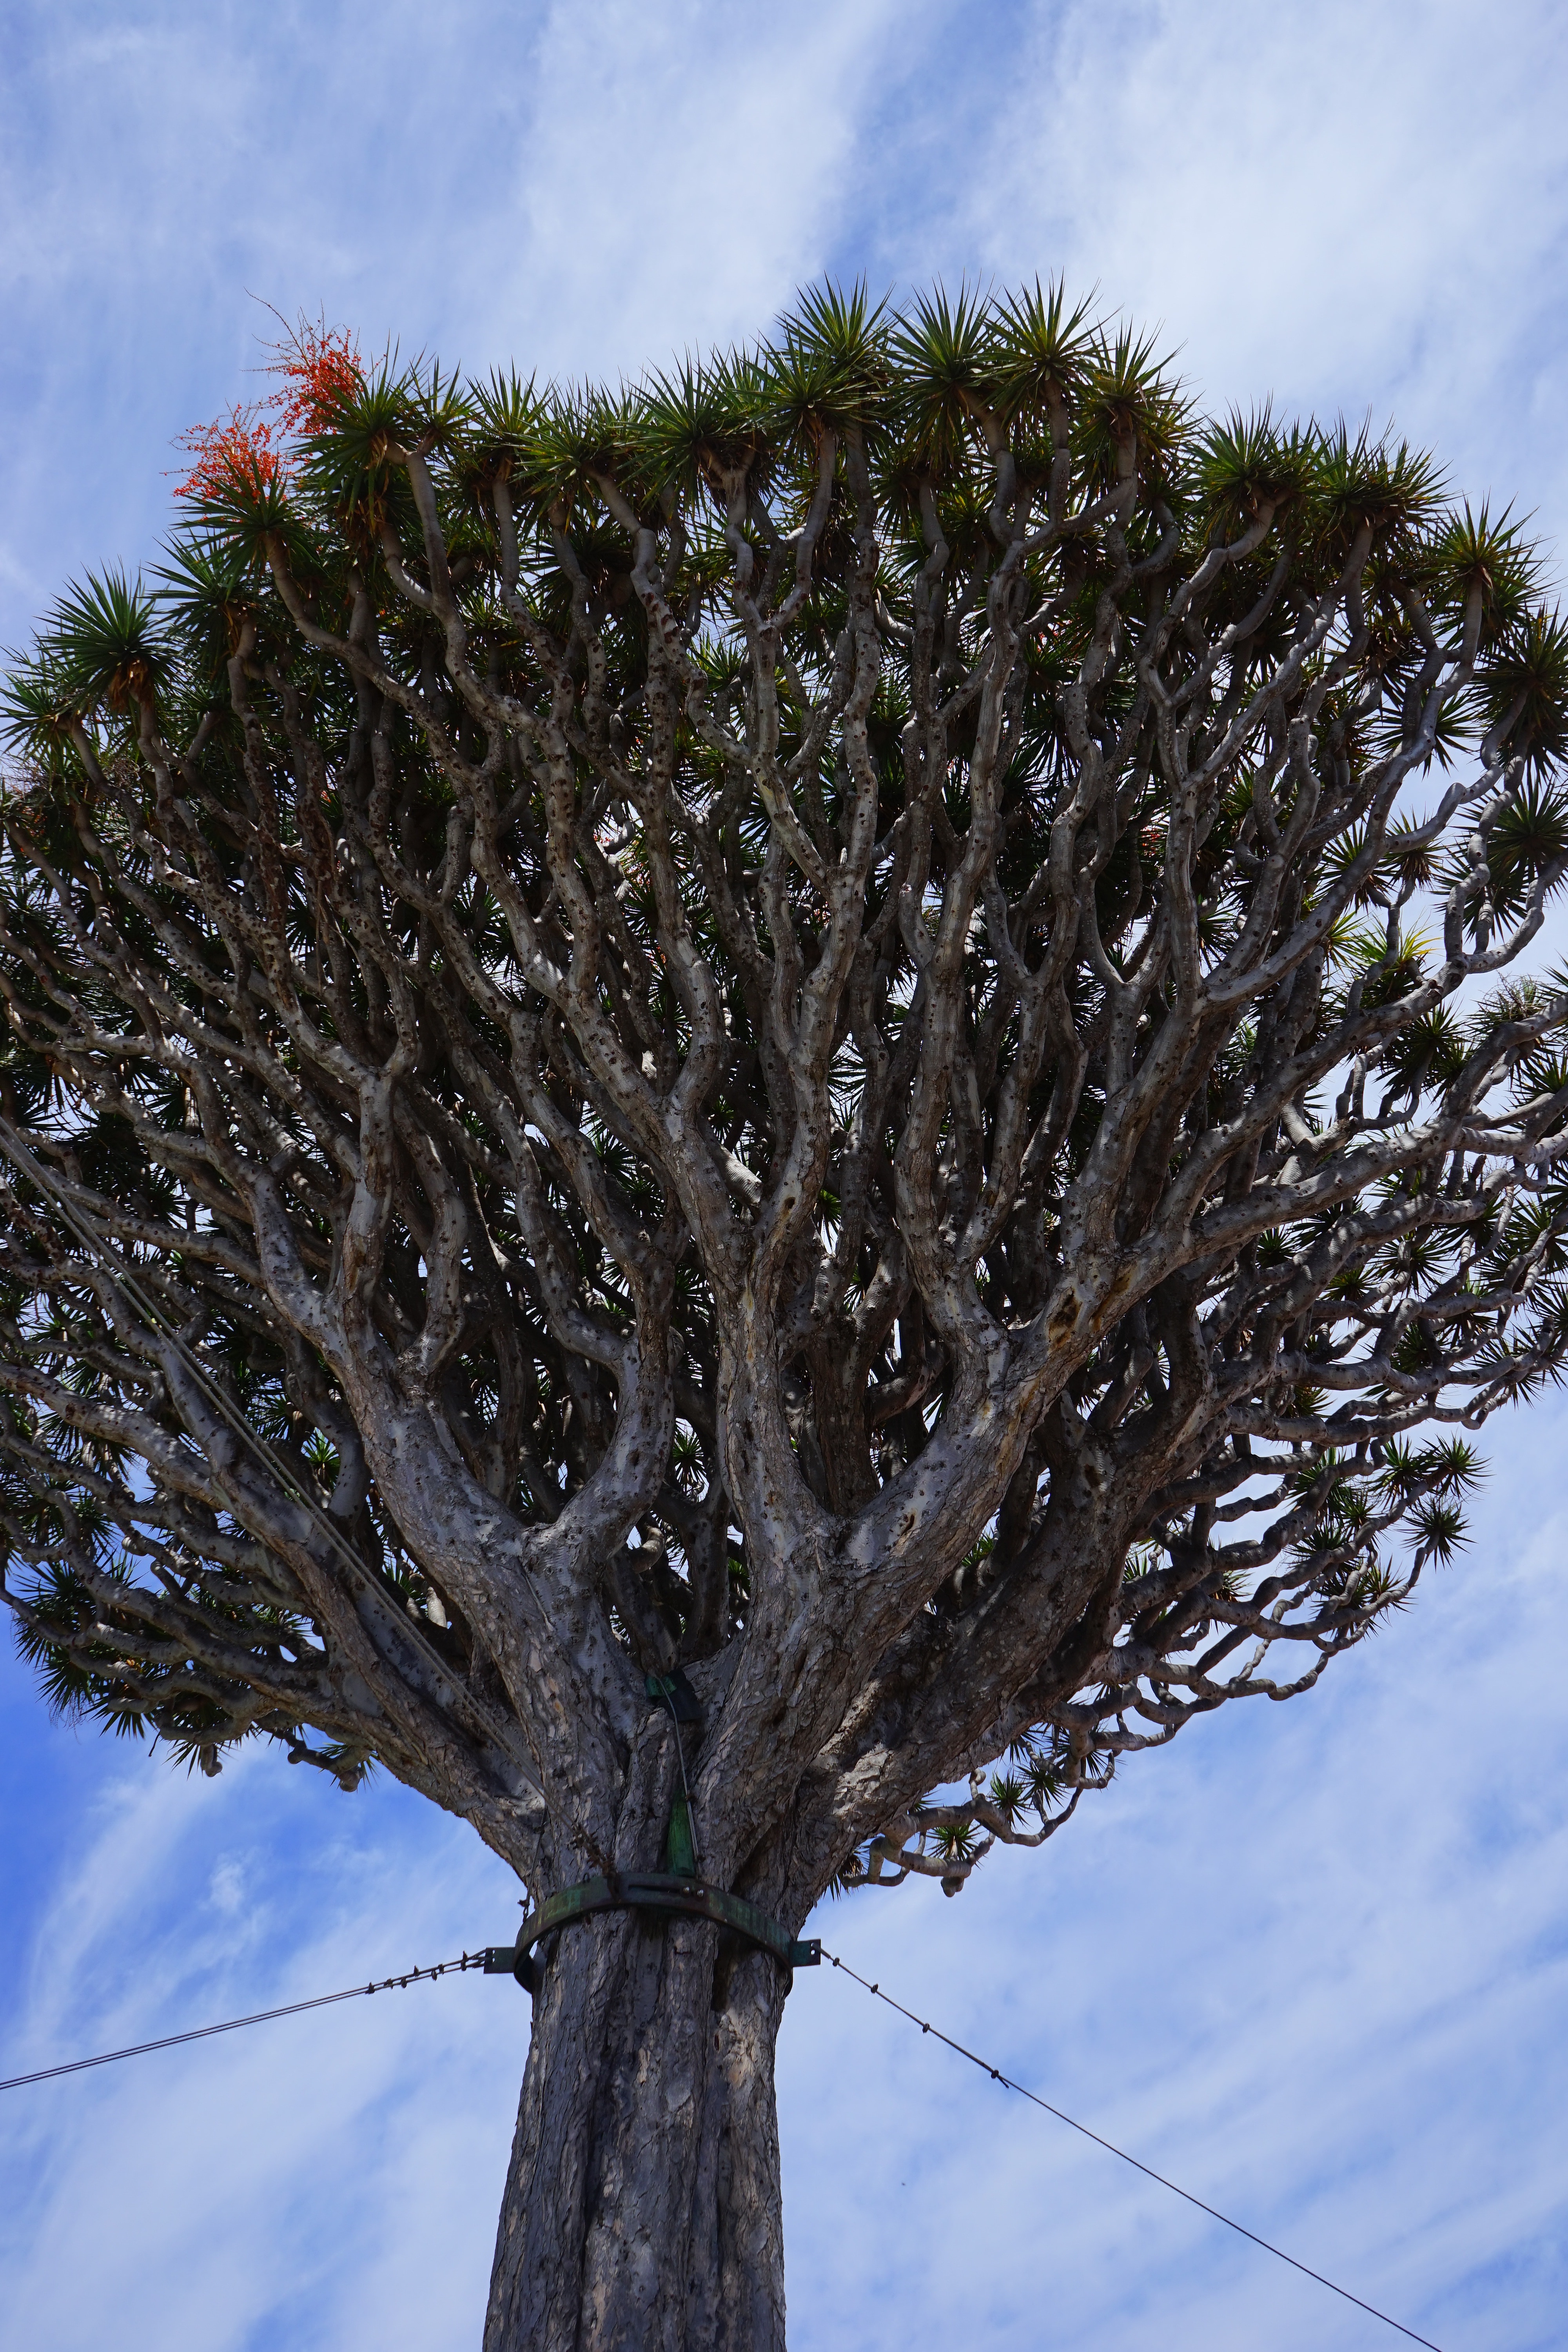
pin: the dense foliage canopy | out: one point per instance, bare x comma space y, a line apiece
843, 1020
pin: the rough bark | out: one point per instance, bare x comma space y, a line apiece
643, 2204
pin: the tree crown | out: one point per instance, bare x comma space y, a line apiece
844, 1019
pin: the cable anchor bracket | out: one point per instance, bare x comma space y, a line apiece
647, 1890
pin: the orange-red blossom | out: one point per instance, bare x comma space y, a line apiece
247, 450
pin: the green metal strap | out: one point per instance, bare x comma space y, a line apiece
679, 1847
647, 1890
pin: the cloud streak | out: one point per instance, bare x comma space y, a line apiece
327, 2180
1348, 208
573, 189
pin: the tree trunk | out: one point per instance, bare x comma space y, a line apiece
642, 2206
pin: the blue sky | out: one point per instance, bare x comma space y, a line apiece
1313, 1961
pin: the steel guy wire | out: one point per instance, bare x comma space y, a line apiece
121, 1274
478, 1960
1212, 2210
257, 2017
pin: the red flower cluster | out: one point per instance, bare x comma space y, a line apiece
321, 372
235, 453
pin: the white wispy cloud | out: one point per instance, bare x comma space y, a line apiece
1350, 208
328, 2179
682, 174
570, 188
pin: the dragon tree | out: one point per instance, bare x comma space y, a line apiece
745, 1121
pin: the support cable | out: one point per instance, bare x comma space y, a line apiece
163, 1328
259, 2017
1212, 2210
496, 1961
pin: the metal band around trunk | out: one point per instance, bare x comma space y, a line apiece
647, 1890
